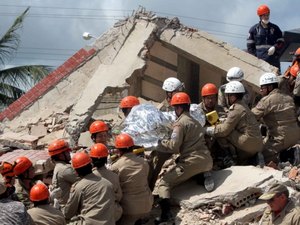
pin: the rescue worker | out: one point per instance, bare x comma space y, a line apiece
7, 171
11, 212
133, 171
99, 132
43, 213
63, 175
190, 154
157, 158
277, 110
240, 128
265, 40
235, 73
171, 86
286, 82
91, 198
281, 209
24, 171
209, 93
128, 103
99, 154
209, 105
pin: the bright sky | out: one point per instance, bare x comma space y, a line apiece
53, 29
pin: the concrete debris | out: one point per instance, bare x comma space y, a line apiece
19, 140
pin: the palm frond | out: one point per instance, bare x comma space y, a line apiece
9, 43
25, 76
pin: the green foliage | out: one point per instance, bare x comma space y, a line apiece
15, 81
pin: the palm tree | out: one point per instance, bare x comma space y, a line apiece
15, 81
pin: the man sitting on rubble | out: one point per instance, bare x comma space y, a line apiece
63, 175
240, 130
281, 209
277, 110
190, 154
156, 160
24, 171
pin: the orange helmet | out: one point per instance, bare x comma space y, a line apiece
263, 9
99, 151
297, 52
22, 164
123, 141
58, 146
209, 89
129, 102
39, 192
80, 159
98, 126
294, 70
7, 169
180, 98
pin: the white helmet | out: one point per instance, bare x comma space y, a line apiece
234, 87
268, 78
172, 84
235, 73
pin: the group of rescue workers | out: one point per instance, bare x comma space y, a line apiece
110, 183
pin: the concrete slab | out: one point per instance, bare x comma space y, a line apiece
19, 140
235, 185
38, 130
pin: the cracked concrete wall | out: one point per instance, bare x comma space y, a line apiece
205, 49
109, 75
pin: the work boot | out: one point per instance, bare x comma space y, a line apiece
296, 156
166, 216
209, 182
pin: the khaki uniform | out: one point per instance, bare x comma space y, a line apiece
90, 202
242, 130
114, 179
248, 98
46, 215
190, 155
22, 193
290, 215
63, 177
284, 86
278, 113
220, 110
137, 199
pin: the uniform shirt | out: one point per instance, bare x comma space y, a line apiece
91, 201
13, 213
290, 215
63, 177
278, 113
248, 98
46, 215
219, 109
187, 140
260, 39
241, 128
114, 179
22, 193
133, 176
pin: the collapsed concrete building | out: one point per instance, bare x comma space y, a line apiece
132, 58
